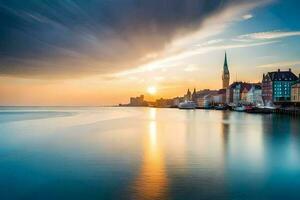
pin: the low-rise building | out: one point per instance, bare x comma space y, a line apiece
205, 98
236, 91
205, 101
177, 101
254, 95
164, 103
295, 93
220, 97
244, 94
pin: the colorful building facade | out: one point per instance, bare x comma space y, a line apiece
276, 86
295, 92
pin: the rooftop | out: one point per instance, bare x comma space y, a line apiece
282, 76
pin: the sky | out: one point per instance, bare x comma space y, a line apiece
101, 52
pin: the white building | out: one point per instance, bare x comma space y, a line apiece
236, 94
254, 95
205, 101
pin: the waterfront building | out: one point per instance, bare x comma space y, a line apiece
194, 95
276, 86
204, 98
226, 74
236, 94
295, 93
254, 95
244, 94
188, 96
205, 101
235, 90
138, 101
202, 93
177, 101
220, 97
164, 103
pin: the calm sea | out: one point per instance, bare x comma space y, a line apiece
147, 153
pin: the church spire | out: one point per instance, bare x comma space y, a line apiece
226, 70
226, 74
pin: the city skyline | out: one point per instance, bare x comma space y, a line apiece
92, 59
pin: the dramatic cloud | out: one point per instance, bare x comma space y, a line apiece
76, 37
174, 60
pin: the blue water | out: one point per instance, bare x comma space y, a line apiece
147, 153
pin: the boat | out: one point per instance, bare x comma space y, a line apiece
221, 107
239, 108
187, 105
269, 107
259, 110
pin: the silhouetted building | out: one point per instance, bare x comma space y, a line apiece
226, 74
138, 101
164, 103
188, 96
177, 101
276, 86
194, 95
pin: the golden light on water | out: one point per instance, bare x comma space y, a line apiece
153, 134
151, 182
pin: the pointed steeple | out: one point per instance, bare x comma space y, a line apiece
226, 70
189, 92
194, 95
226, 74
188, 95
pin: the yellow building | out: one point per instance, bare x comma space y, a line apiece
295, 95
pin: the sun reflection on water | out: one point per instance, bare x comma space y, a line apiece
151, 182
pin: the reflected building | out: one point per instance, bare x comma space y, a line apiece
281, 139
225, 127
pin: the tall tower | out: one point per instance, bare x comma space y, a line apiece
226, 74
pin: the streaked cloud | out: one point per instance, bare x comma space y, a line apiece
270, 35
191, 68
174, 60
210, 42
280, 64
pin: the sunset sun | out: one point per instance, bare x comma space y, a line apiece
151, 90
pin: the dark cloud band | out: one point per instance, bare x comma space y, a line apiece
75, 37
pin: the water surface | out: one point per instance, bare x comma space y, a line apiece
147, 153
